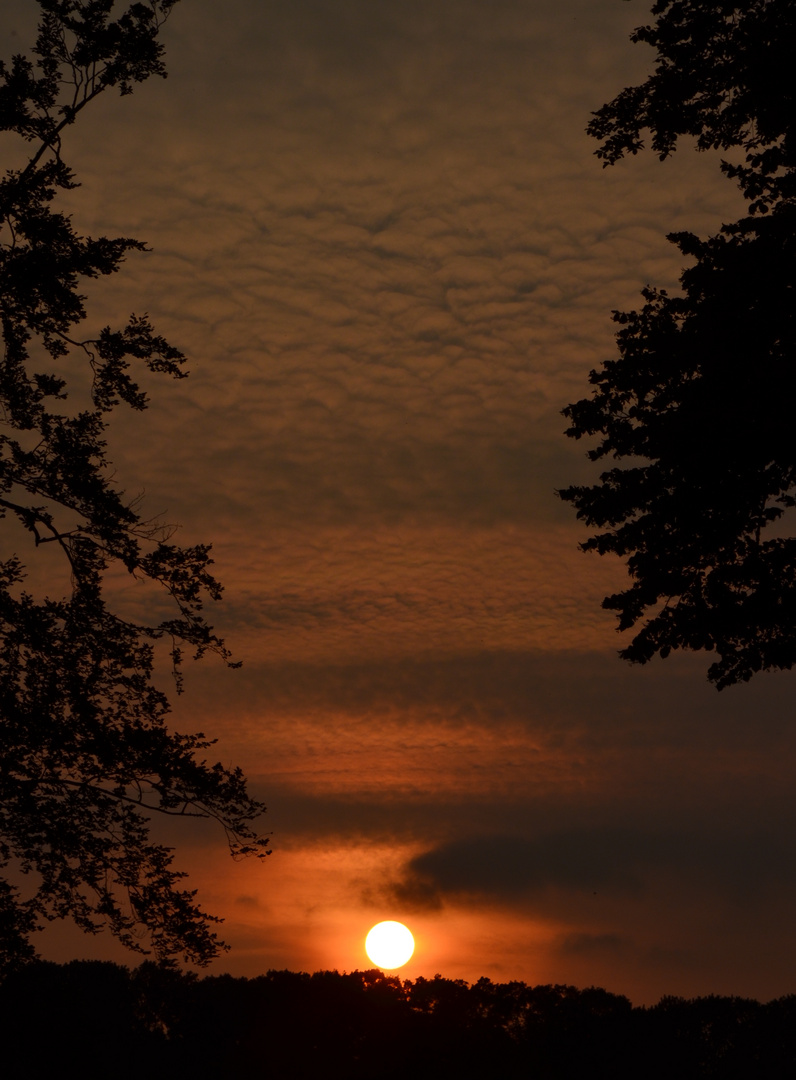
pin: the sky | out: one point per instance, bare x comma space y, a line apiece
380, 233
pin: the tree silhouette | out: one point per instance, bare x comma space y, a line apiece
86, 756
362, 1024
699, 402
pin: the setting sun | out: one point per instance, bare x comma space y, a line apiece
389, 944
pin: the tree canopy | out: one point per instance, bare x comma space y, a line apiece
723, 75
358, 1025
698, 406
86, 755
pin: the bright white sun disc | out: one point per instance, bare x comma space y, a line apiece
389, 944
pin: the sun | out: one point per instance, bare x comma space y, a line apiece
389, 944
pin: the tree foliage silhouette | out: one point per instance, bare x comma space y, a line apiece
86, 756
699, 403
357, 1025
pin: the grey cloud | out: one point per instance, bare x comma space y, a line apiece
617, 860
248, 901
508, 867
610, 705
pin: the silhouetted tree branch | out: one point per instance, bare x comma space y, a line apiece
700, 400
86, 756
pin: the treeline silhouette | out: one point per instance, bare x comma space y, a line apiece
155, 1021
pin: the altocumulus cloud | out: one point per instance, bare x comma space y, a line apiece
392, 267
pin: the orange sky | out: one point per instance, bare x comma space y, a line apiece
380, 235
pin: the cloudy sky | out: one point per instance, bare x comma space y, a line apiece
381, 236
